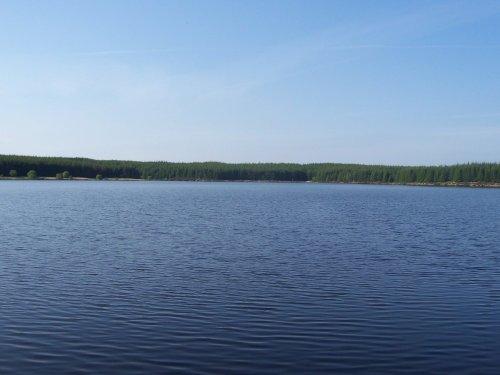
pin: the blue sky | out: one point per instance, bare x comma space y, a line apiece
391, 82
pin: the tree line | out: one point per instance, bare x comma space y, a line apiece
319, 172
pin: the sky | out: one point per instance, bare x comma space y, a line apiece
353, 81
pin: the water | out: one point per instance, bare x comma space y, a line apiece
239, 278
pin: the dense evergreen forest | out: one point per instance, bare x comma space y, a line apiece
20, 166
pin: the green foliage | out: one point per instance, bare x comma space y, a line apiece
32, 174
13, 173
325, 172
59, 176
98, 177
66, 174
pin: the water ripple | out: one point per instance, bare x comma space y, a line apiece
194, 278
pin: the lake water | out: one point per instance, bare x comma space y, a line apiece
248, 278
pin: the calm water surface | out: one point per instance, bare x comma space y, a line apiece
239, 278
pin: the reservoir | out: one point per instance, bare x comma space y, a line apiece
108, 277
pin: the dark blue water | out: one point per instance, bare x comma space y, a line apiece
240, 278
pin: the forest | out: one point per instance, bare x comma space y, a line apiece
43, 167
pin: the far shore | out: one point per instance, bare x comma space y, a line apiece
423, 184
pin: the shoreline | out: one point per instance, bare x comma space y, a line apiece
483, 185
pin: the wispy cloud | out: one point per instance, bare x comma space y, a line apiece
252, 70
477, 115
149, 51
414, 46
119, 52
401, 32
